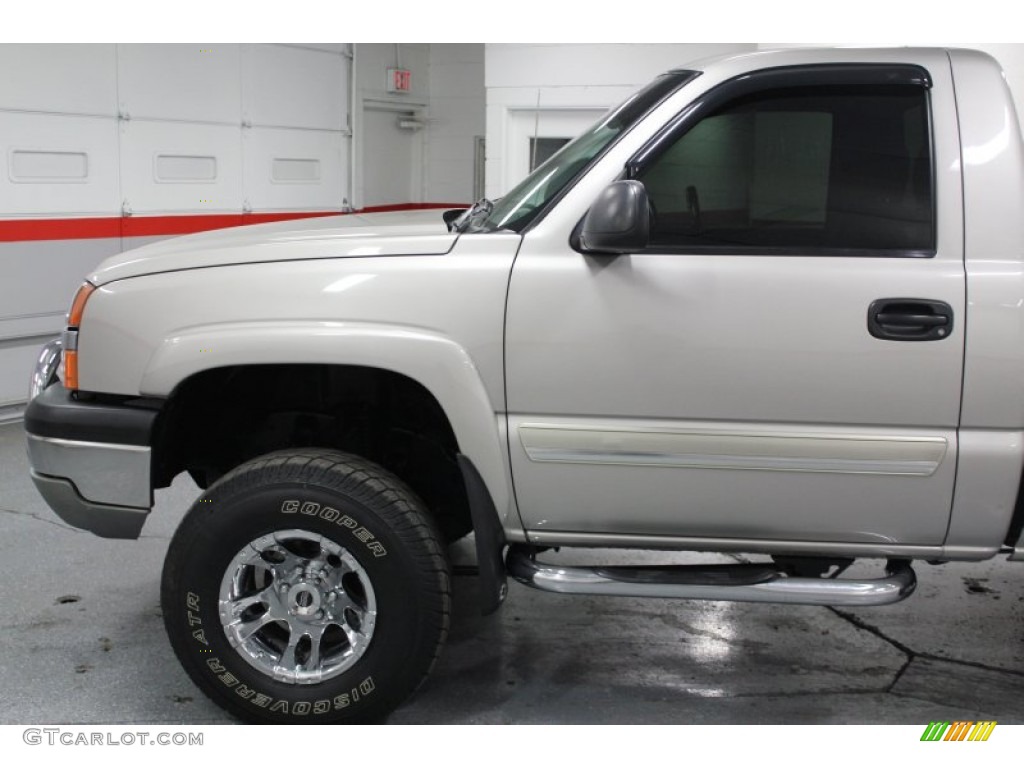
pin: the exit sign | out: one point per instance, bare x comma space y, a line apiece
399, 80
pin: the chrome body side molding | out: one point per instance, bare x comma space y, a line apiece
775, 451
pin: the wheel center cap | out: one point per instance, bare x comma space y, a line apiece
303, 599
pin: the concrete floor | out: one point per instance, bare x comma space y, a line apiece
82, 641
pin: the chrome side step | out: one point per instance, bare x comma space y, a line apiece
756, 583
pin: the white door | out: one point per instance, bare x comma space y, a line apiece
392, 157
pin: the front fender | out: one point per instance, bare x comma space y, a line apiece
440, 364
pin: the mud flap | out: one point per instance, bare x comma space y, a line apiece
490, 538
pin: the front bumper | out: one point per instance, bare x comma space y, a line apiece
91, 461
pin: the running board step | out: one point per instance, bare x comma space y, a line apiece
753, 583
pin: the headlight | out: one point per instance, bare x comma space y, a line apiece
45, 370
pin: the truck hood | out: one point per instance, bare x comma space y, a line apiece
404, 233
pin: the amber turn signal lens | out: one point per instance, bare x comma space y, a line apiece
78, 305
74, 321
71, 369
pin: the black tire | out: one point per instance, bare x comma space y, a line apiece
348, 505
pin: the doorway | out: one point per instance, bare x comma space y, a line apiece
392, 155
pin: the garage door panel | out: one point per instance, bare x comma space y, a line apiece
76, 79
181, 82
294, 87
58, 165
177, 167
294, 169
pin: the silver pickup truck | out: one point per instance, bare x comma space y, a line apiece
771, 304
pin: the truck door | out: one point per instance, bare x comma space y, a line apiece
783, 362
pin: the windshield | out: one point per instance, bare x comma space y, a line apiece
520, 206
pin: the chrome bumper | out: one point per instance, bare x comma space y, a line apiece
110, 522
101, 485
102, 473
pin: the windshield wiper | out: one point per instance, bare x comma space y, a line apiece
480, 210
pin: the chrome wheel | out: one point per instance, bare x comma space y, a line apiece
274, 581
297, 606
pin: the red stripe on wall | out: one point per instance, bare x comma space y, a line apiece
18, 230
59, 229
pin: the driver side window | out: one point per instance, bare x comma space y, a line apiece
843, 168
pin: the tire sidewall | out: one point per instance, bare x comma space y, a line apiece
228, 520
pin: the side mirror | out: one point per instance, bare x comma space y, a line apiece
619, 221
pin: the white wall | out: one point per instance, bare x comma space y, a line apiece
377, 170
457, 117
447, 97
586, 79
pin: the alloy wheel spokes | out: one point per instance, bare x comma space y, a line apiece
298, 606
